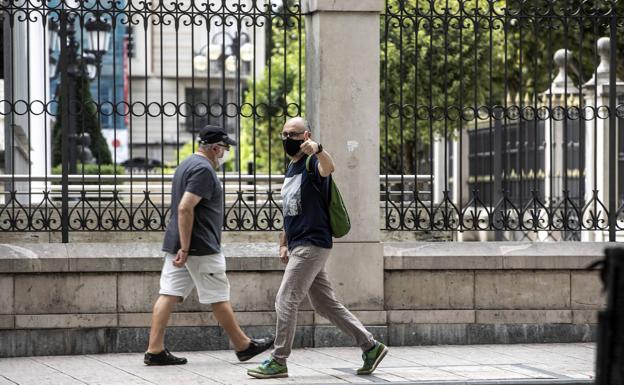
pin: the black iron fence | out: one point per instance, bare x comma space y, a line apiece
497, 115
103, 99
516, 108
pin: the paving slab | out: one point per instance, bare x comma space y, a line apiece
526, 364
27, 371
89, 371
154, 375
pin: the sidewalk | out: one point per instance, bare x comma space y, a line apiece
476, 364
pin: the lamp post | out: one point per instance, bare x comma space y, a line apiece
71, 65
226, 47
230, 50
99, 34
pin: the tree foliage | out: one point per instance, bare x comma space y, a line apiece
449, 64
445, 66
84, 112
435, 70
277, 95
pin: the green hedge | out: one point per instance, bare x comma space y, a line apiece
94, 169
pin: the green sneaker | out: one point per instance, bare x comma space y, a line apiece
372, 358
269, 369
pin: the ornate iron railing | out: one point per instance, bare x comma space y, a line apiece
520, 136
517, 108
130, 82
142, 203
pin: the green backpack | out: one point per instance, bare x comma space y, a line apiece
338, 215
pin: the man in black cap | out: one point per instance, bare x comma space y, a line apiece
193, 250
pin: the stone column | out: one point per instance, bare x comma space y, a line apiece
439, 184
343, 108
557, 96
597, 172
461, 164
40, 125
27, 135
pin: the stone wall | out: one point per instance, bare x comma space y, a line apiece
475, 293
91, 298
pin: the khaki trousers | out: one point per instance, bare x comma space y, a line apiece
305, 275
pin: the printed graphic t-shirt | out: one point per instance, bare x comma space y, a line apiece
306, 219
196, 175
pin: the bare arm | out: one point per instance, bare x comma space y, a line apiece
325, 162
283, 248
186, 215
282, 239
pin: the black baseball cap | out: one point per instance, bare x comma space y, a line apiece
214, 134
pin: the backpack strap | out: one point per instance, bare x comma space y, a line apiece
308, 159
312, 177
311, 173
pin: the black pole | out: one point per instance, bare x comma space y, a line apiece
498, 169
74, 71
610, 348
65, 116
69, 69
613, 175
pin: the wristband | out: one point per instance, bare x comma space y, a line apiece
320, 148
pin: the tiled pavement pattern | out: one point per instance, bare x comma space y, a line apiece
475, 364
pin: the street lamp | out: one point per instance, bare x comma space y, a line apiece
99, 35
226, 46
232, 49
76, 64
92, 64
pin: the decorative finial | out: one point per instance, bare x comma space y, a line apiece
562, 83
603, 47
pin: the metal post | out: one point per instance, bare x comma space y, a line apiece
65, 116
74, 69
498, 168
69, 72
250, 172
613, 175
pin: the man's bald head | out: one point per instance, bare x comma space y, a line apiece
297, 123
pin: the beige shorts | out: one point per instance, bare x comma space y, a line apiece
205, 272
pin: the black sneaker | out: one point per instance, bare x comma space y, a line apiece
256, 346
163, 358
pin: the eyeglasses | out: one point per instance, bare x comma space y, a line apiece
226, 146
292, 134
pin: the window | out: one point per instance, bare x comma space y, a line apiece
205, 107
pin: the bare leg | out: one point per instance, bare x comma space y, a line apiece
225, 316
160, 317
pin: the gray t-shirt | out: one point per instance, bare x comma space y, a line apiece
196, 175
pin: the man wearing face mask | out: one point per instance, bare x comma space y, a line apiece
193, 250
305, 245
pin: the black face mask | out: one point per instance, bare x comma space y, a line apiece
292, 146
